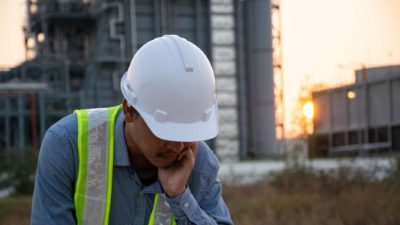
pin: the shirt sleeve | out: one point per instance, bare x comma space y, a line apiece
53, 197
211, 209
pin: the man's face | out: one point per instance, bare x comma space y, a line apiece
160, 153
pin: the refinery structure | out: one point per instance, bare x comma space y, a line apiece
360, 118
77, 51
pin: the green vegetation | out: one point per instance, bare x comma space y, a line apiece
20, 171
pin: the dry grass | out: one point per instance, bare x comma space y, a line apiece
293, 198
297, 198
15, 211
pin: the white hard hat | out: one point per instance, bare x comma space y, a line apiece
170, 82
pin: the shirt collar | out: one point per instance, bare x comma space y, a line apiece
156, 187
121, 157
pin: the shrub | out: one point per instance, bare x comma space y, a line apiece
18, 171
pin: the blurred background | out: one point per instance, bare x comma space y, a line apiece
308, 93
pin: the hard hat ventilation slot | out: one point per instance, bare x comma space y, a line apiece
133, 96
160, 116
207, 115
185, 52
130, 88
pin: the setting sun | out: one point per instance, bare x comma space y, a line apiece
308, 109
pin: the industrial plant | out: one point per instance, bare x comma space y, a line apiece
78, 50
361, 118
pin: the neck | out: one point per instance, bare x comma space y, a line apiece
138, 161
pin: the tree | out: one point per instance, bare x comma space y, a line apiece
303, 125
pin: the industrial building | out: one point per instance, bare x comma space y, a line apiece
360, 118
77, 51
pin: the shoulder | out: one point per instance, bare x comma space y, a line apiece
56, 174
66, 126
59, 145
63, 132
206, 161
61, 135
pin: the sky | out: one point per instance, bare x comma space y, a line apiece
323, 41
12, 48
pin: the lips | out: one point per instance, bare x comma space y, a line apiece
167, 154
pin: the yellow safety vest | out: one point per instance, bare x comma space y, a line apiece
96, 156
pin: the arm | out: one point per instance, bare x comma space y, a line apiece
209, 207
53, 197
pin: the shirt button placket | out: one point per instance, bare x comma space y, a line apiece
186, 205
141, 209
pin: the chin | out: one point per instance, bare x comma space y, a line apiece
163, 163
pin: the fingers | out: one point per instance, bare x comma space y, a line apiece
190, 155
184, 153
195, 148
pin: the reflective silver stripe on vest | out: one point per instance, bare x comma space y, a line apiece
96, 180
163, 212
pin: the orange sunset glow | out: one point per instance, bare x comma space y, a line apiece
322, 40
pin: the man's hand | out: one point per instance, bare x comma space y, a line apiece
174, 178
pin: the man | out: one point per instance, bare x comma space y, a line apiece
143, 162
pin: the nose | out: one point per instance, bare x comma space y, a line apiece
175, 146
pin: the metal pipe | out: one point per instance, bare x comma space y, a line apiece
242, 82
157, 19
67, 75
389, 126
164, 17
21, 122
45, 30
42, 114
366, 105
133, 26
113, 30
29, 33
81, 98
33, 120
7, 122
263, 133
198, 23
330, 137
347, 105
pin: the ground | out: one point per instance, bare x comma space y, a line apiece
291, 198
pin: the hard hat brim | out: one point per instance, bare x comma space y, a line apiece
172, 131
185, 132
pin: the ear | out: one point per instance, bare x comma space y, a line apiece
129, 114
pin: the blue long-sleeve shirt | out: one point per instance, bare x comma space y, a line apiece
131, 202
